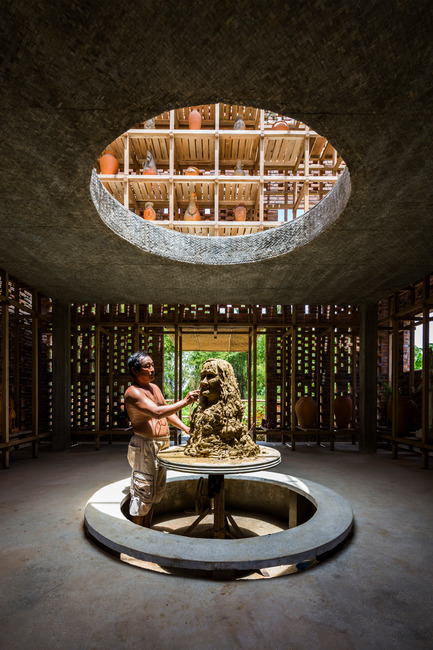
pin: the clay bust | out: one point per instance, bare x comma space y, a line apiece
216, 424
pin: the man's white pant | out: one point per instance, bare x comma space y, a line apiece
148, 477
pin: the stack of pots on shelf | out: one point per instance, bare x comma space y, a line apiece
108, 163
306, 412
194, 118
343, 411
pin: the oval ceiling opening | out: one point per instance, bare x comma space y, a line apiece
219, 170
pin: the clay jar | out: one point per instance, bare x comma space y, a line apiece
192, 213
194, 119
192, 171
343, 411
306, 411
149, 213
281, 125
240, 212
108, 164
406, 415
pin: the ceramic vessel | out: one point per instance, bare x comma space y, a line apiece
149, 213
239, 124
192, 213
240, 212
343, 411
406, 415
194, 118
281, 125
150, 124
192, 171
108, 164
306, 411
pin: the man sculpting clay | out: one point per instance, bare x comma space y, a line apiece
148, 412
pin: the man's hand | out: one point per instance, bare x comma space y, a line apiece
192, 396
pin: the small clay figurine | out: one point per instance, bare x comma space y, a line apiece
149, 213
239, 124
192, 213
149, 165
150, 124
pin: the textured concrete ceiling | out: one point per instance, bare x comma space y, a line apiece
75, 75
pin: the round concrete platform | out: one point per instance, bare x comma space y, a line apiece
263, 491
175, 458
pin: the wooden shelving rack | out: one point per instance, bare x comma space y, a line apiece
286, 172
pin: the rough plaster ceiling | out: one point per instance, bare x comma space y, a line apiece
76, 75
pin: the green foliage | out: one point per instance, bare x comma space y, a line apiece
192, 363
418, 356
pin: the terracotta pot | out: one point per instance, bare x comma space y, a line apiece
149, 213
343, 411
406, 415
281, 125
192, 213
240, 212
306, 411
108, 163
194, 119
192, 171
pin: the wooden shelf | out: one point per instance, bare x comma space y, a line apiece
286, 171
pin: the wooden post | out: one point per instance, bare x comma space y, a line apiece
126, 173
395, 359
293, 379
5, 371
332, 381
250, 336
35, 365
283, 380
171, 198
307, 173
61, 376
97, 377
367, 377
254, 381
425, 374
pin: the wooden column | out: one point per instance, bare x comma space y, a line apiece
254, 381
35, 363
425, 375
61, 375
5, 372
293, 380
97, 376
250, 336
395, 359
332, 380
126, 173
367, 383
171, 197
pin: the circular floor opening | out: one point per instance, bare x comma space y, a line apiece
302, 523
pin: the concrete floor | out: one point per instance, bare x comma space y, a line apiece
59, 591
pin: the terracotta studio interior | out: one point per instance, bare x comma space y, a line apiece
205, 177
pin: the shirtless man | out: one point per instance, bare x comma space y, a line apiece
148, 412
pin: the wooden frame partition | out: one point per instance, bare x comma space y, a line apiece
26, 367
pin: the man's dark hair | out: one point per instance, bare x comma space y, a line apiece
134, 362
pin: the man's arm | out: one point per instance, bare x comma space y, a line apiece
136, 397
177, 422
